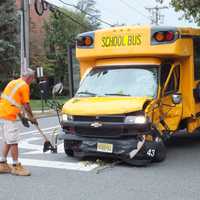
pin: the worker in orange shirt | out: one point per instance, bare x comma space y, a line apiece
14, 99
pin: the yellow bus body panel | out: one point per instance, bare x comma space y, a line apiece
138, 47
127, 61
94, 106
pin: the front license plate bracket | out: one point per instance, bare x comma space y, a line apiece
104, 147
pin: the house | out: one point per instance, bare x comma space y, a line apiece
37, 32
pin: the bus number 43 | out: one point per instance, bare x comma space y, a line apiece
151, 153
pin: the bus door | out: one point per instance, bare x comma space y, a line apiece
171, 102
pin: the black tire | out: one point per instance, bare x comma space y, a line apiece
161, 152
68, 150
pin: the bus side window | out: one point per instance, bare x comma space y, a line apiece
165, 69
196, 49
177, 77
173, 85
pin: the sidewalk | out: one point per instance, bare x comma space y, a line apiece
45, 113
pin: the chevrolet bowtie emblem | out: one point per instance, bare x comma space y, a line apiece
96, 124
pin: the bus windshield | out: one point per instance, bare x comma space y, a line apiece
140, 81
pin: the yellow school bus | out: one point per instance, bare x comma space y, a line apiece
139, 86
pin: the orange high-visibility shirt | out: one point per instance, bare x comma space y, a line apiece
14, 96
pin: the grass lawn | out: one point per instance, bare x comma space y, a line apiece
36, 104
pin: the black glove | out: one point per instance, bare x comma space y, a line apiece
24, 121
34, 121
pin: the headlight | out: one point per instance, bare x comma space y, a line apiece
135, 120
67, 118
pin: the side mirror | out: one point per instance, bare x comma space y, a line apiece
44, 88
176, 98
57, 89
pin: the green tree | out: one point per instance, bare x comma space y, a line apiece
8, 38
88, 10
61, 30
191, 8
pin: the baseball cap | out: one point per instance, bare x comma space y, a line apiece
28, 72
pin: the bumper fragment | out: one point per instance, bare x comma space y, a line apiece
122, 148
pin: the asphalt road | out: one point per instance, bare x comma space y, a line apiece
58, 177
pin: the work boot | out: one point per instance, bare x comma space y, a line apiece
4, 167
19, 170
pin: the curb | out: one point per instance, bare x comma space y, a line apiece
46, 113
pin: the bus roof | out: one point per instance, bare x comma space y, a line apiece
183, 30
136, 41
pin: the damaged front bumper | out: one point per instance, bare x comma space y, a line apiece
135, 151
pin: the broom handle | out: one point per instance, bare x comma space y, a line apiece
41, 132
38, 128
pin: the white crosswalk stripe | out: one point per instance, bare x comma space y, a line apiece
80, 166
33, 145
44, 129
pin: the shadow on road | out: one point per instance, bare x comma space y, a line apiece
184, 140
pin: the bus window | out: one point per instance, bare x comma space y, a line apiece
165, 69
196, 42
173, 85
177, 77
120, 81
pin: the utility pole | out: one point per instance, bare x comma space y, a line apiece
24, 35
156, 17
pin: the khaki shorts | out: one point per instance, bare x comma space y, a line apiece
9, 131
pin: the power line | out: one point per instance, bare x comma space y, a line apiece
67, 4
131, 7
110, 13
56, 10
156, 17
43, 5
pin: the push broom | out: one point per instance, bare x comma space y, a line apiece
47, 144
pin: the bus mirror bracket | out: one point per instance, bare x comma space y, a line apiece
176, 98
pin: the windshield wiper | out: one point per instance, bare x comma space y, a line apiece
87, 93
116, 94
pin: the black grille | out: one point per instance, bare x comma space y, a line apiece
99, 118
112, 126
99, 132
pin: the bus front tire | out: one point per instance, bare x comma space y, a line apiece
161, 152
68, 151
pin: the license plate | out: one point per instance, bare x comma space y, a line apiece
104, 147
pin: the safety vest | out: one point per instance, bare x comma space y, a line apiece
10, 93
14, 95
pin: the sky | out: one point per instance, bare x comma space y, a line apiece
131, 12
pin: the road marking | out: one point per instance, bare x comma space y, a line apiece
36, 131
80, 166
46, 130
27, 143
37, 149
